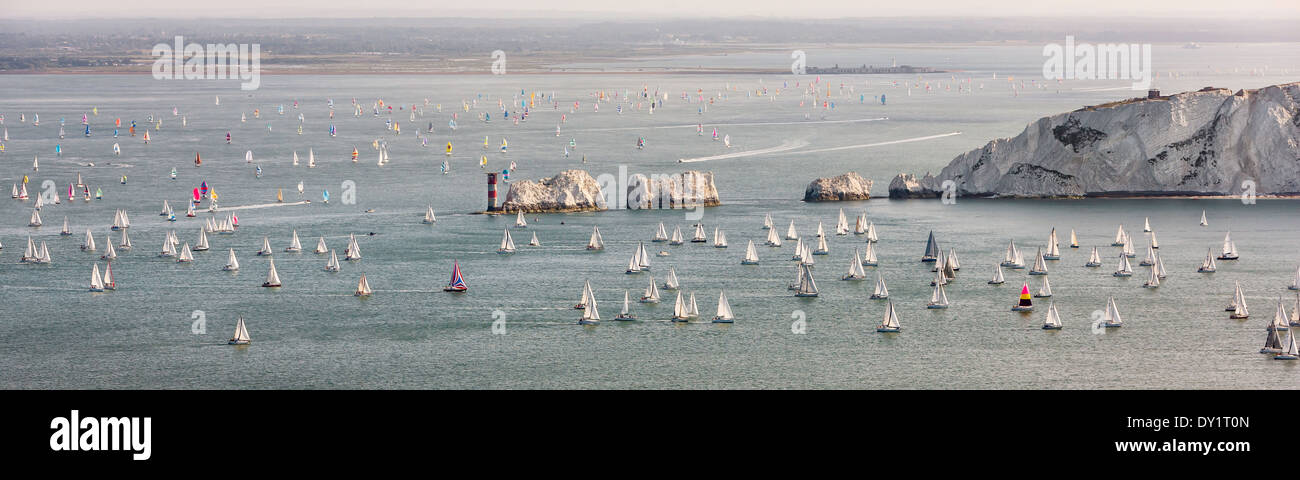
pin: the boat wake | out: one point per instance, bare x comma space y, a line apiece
742, 124
878, 144
783, 147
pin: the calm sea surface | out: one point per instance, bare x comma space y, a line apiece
313, 333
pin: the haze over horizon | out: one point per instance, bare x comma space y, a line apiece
819, 9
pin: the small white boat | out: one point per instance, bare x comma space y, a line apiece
855, 268
519, 220
272, 277
232, 264
881, 291
1125, 270
1044, 291
890, 323
807, 286
1208, 266
751, 255
1110, 318
429, 217
724, 314
869, 257
363, 287
266, 248
1289, 350
320, 246
626, 314
294, 245
96, 282
332, 265
1053, 320
507, 243
938, 299
1040, 266
596, 242
1153, 280
1229, 248
1238, 306
998, 279
241, 334
651, 293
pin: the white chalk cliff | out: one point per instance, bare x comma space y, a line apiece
570, 191
849, 186
1208, 142
691, 188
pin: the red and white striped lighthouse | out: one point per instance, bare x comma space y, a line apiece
492, 192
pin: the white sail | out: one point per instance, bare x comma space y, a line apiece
429, 217
232, 264
1046, 289
1053, 319
869, 257
1239, 303
1124, 267
266, 247
670, 282
822, 248
596, 243
855, 268
881, 290
807, 286
1112, 317
842, 224
96, 283
203, 241
272, 277
109, 253
997, 276
699, 234
185, 255
719, 238
1053, 247
1204, 223
241, 333
320, 246
767, 221
790, 233
724, 308
661, 235
333, 264
507, 243
294, 244
751, 256
1040, 266
651, 292
680, 311
519, 220
871, 233
89, 244
1094, 260
363, 287
693, 310
891, 317
534, 242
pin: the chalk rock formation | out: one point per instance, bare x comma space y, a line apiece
849, 186
1209, 142
688, 189
570, 191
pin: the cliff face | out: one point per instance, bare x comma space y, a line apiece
570, 191
1197, 143
688, 189
849, 186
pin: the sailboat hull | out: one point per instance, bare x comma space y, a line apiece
747, 262
1286, 357
936, 307
588, 322
625, 318
888, 329
1019, 308
723, 320
238, 342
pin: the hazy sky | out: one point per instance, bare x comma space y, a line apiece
634, 10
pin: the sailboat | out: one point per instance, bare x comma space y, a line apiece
938, 299
429, 217
1146, 224
1053, 320
822, 248
1149, 259
677, 237
890, 323
951, 263
1208, 266
790, 233
1111, 318
699, 234
1204, 223
869, 257
932, 251
109, 253
1160, 267
320, 246
807, 286
272, 278
1295, 284
1290, 351
507, 243
681, 311
871, 233
1025, 304
1053, 247
110, 283
89, 244
842, 224
651, 294
724, 314
96, 282
1120, 237
266, 248
1094, 260
168, 249
1125, 270
595, 243
767, 221
855, 268
671, 282
232, 264
751, 255
997, 276
332, 265
1074, 240
586, 297
294, 245
241, 334
590, 314
1229, 248
1040, 267
534, 242
1045, 291
185, 256
363, 287
1281, 321
1013, 259
881, 291
1153, 280
1155, 245
353, 250
1238, 307
36, 219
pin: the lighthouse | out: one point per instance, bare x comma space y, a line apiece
492, 192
